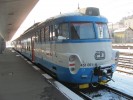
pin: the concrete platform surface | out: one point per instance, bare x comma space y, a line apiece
20, 81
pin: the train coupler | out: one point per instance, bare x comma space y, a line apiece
103, 72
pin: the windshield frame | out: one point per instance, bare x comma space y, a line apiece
93, 26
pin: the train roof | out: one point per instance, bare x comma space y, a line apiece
84, 14
81, 17
32, 27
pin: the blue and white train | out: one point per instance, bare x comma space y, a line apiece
76, 47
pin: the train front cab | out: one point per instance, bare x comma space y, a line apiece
86, 57
86, 47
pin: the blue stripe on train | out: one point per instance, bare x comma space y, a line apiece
77, 41
64, 74
84, 41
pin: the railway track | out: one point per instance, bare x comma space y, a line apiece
102, 92
125, 64
131, 73
120, 93
122, 46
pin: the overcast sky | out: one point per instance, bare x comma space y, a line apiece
114, 10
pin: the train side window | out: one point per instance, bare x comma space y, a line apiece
29, 44
42, 34
33, 38
63, 31
36, 37
47, 33
39, 36
55, 32
51, 32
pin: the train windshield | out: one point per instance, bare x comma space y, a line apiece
82, 30
102, 30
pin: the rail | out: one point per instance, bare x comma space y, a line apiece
125, 63
86, 95
120, 93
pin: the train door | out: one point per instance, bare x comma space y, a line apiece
32, 48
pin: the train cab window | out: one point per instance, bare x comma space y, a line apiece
102, 30
63, 32
82, 31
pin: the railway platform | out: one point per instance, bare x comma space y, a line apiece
20, 81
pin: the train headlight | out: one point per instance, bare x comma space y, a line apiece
72, 58
72, 68
74, 63
116, 57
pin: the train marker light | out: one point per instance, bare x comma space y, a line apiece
83, 86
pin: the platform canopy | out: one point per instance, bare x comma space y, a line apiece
12, 14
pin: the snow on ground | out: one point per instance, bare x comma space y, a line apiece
125, 69
105, 95
126, 44
125, 50
123, 82
126, 56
